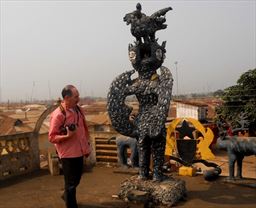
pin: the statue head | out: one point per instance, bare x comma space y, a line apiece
146, 57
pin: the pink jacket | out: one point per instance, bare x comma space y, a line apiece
76, 146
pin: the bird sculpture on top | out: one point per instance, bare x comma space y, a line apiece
145, 27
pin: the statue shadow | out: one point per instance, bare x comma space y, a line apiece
223, 192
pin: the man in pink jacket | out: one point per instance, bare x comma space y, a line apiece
69, 133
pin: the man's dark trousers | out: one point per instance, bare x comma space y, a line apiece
72, 170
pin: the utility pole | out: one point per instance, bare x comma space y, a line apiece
32, 92
49, 90
177, 79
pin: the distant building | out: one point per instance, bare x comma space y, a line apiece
172, 114
95, 108
191, 110
100, 122
19, 121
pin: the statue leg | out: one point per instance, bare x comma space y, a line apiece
239, 166
121, 152
158, 149
232, 160
144, 145
134, 153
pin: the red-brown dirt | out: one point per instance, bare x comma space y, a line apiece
41, 190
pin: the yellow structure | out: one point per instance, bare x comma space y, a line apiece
187, 171
203, 142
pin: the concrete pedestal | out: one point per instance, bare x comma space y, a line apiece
148, 192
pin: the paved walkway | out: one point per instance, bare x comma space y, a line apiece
41, 190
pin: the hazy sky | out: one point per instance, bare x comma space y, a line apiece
48, 44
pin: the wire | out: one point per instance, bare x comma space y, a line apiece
231, 106
240, 90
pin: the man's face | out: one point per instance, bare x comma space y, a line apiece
74, 99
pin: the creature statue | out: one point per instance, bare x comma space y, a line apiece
152, 90
237, 148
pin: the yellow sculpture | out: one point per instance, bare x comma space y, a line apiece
203, 142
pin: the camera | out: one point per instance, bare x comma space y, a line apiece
71, 127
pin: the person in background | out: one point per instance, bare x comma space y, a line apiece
69, 133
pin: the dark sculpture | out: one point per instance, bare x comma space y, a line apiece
152, 90
236, 146
146, 26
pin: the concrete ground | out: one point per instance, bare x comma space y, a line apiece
41, 190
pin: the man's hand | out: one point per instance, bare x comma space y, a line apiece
70, 133
62, 138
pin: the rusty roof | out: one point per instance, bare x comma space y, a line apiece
99, 119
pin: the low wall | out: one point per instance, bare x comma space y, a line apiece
19, 154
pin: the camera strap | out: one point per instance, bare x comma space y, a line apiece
63, 111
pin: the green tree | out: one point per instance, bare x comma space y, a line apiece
218, 93
240, 99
